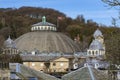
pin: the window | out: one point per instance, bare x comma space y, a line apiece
96, 52
89, 52
92, 52
33, 64
41, 64
54, 64
61, 64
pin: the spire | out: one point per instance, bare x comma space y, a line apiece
43, 19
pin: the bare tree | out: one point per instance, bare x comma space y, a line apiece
112, 2
116, 5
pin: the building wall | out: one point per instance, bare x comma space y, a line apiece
39, 66
58, 65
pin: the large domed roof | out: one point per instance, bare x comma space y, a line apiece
46, 42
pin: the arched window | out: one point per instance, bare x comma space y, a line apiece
96, 52
48, 28
89, 52
45, 28
92, 52
38, 27
41, 28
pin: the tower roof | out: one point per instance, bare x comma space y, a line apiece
43, 23
96, 45
97, 33
9, 43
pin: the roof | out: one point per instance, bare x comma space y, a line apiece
9, 43
28, 72
96, 45
43, 24
83, 74
46, 42
35, 58
97, 33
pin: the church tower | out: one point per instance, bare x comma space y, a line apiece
99, 36
97, 47
96, 50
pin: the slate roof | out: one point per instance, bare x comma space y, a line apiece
9, 43
97, 33
28, 72
44, 24
33, 58
96, 45
46, 42
83, 74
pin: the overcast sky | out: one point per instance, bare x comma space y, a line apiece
91, 9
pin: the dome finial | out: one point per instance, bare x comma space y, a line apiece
43, 19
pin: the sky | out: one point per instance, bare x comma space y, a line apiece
90, 9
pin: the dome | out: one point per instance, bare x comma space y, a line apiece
9, 43
46, 42
97, 33
96, 45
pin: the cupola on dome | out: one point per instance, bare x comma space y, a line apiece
43, 26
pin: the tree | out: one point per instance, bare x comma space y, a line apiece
114, 22
112, 3
112, 44
113, 49
73, 30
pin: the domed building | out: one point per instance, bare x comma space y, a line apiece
45, 49
44, 45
